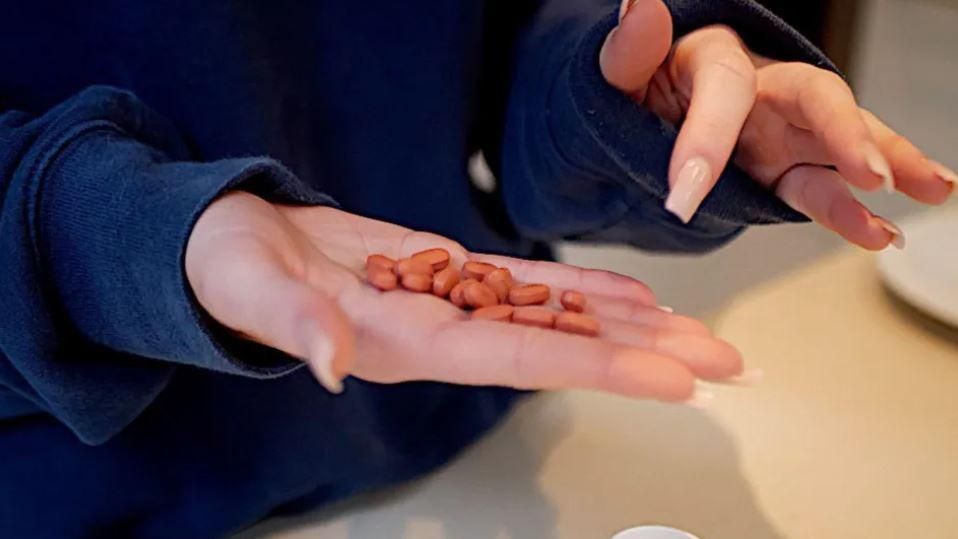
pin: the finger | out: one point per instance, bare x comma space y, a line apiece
643, 315
261, 300
710, 65
635, 49
820, 101
493, 353
564, 276
823, 195
706, 357
915, 175
306, 323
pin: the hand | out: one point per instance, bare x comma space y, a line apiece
786, 123
292, 278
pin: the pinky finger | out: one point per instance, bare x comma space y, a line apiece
823, 195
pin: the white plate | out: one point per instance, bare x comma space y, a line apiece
925, 273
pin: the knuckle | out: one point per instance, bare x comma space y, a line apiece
737, 64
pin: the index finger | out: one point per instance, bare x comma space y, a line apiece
821, 102
565, 276
712, 66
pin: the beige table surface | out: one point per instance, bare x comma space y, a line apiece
853, 434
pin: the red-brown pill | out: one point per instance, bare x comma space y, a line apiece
573, 300
406, 266
530, 294
444, 281
478, 295
457, 296
542, 317
438, 258
477, 270
580, 324
500, 281
382, 279
497, 313
417, 282
380, 261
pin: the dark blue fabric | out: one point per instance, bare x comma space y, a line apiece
124, 411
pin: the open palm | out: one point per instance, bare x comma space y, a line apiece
292, 278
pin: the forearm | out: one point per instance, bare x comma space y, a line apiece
99, 198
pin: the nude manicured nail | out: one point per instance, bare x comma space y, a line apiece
624, 8
879, 166
321, 355
944, 173
747, 378
897, 236
691, 186
702, 397
665, 308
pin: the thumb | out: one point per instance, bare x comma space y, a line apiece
635, 49
267, 305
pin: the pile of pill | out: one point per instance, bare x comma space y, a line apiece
489, 291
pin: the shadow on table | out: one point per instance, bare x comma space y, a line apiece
593, 485
915, 316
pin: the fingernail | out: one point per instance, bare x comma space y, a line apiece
944, 173
747, 378
691, 186
897, 236
702, 397
879, 166
321, 361
624, 8
665, 308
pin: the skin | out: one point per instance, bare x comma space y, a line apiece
292, 277
777, 117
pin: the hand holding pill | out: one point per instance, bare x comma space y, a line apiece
353, 296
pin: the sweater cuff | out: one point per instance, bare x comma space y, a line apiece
112, 222
614, 122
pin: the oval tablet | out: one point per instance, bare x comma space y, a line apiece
580, 324
534, 316
497, 313
437, 258
529, 294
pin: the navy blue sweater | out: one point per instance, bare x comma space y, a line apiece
124, 410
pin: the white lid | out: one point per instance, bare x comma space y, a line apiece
653, 532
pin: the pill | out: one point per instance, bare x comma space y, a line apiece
476, 270
406, 266
478, 295
456, 295
498, 313
572, 322
572, 300
381, 278
380, 261
499, 280
444, 281
417, 282
542, 317
530, 294
437, 258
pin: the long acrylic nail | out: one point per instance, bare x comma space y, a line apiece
625, 7
879, 166
701, 398
944, 173
897, 236
321, 353
691, 186
747, 378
